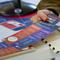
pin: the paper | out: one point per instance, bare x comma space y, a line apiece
5, 32
58, 24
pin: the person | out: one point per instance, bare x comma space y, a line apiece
41, 15
46, 5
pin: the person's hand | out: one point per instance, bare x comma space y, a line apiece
59, 16
41, 15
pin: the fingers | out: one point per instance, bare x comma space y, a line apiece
47, 12
41, 15
59, 16
36, 18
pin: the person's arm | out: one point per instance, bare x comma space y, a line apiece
43, 15
53, 4
50, 6
40, 15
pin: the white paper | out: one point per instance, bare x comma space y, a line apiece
58, 24
5, 32
56, 45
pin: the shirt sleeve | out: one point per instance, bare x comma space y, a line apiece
53, 4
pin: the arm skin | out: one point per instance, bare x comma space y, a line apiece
41, 15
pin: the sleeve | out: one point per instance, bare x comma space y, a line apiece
50, 4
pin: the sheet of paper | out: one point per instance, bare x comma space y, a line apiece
5, 32
55, 44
